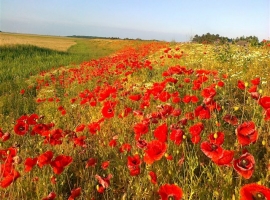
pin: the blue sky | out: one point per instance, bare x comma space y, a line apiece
168, 20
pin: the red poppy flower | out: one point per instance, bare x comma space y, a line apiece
187, 80
255, 95
60, 108
161, 132
225, 159
23, 119
256, 81
267, 114
94, 127
196, 85
4, 136
176, 112
53, 137
125, 147
21, 128
182, 121
60, 162
50, 196
244, 166
252, 89
224, 76
32, 119
196, 139
265, 102
246, 133
168, 157
167, 50
79, 141
164, 96
1, 132
202, 112
220, 84
153, 177
53, 179
133, 164
105, 165
165, 110
176, 99
74, 193
194, 99
154, 151
211, 150
40, 128
103, 182
241, 85
107, 111
9, 176
91, 162
45, 158
141, 144
7, 155
100, 189
254, 191
125, 113
144, 104
29, 164
140, 129
196, 129
133, 161
208, 92
113, 143
231, 119
80, 128
186, 99
177, 136
216, 138
135, 97
166, 191
212, 106
109, 91
22, 91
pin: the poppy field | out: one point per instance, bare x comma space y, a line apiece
153, 120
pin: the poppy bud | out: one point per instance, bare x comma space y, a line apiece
17, 160
236, 108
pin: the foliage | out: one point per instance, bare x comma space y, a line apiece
210, 38
216, 38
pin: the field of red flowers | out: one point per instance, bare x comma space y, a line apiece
159, 121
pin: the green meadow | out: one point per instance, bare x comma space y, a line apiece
131, 119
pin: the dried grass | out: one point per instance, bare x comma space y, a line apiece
51, 42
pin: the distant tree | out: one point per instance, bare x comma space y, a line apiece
210, 39
216, 38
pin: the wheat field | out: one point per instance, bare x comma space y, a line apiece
51, 42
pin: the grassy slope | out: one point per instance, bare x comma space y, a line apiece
20, 61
